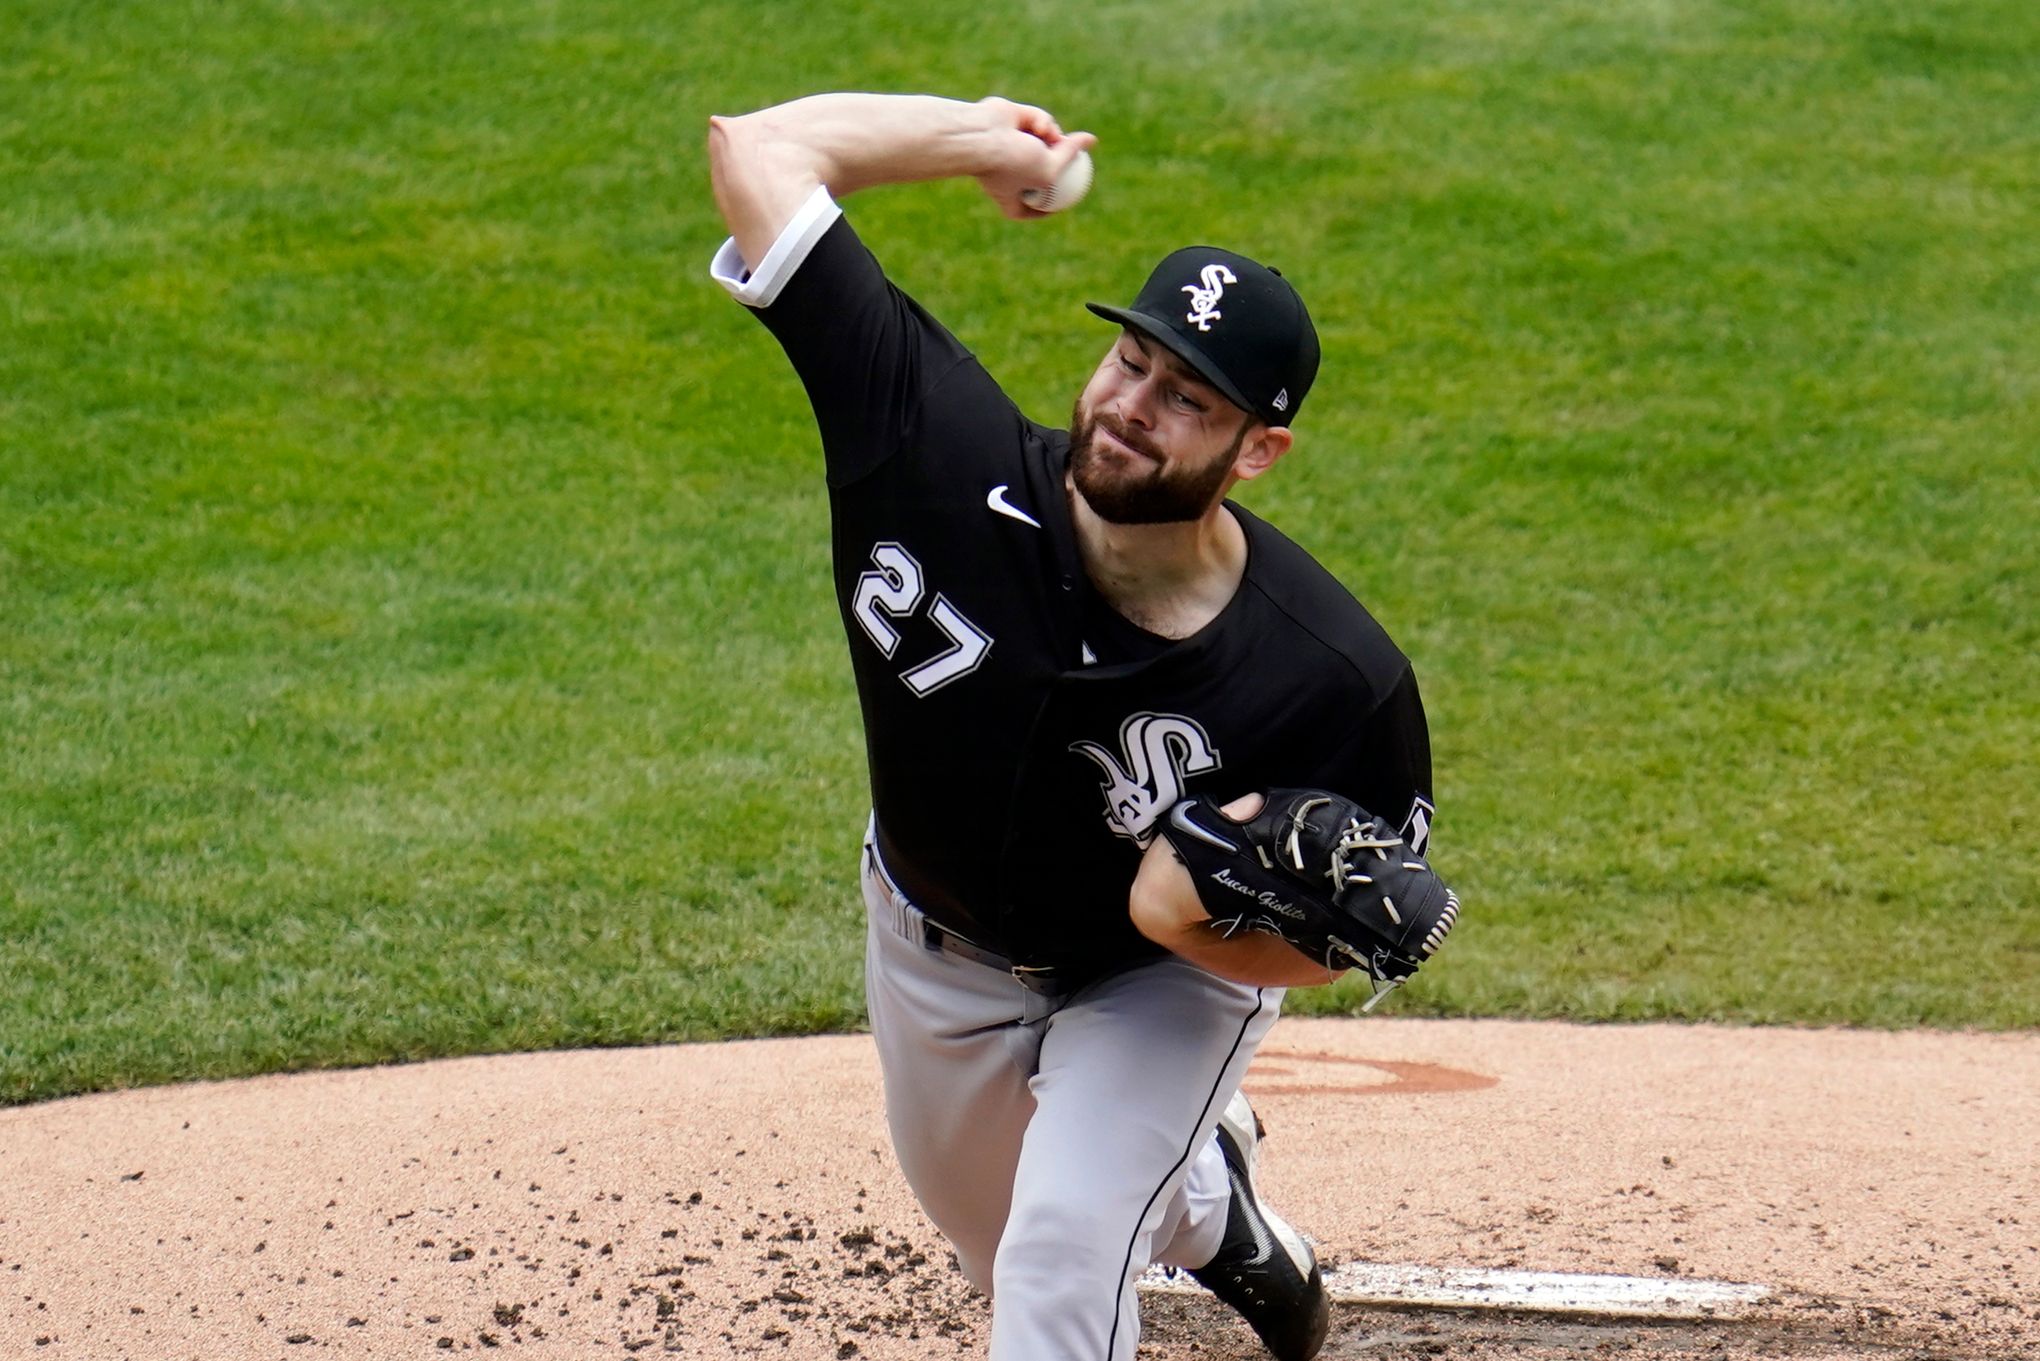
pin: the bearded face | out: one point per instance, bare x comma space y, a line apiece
1128, 480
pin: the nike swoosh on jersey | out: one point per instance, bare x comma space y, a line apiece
996, 499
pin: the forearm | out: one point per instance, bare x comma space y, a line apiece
848, 142
765, 165
1252, 957
1165, 908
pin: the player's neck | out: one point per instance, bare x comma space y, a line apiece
1170, 579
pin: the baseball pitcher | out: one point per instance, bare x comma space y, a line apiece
1138, 763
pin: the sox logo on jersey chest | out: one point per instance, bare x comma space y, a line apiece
1161, 751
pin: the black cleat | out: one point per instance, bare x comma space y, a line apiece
1264, 1269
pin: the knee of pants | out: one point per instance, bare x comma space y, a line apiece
1061, 1250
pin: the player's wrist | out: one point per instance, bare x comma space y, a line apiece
1021, 147
1162, 902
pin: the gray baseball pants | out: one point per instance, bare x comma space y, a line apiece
1060, 1144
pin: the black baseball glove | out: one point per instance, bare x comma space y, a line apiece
1321, 872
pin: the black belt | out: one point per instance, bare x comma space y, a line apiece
936, 936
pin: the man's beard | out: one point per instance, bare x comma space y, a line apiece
1143, 495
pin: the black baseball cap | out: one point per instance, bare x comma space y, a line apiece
1237, 323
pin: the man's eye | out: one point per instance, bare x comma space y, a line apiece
1129, 366
1187, 402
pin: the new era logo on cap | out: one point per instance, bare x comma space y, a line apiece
1245, 330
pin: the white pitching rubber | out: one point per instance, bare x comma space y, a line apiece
1540, 1292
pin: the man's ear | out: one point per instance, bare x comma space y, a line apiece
1260, 450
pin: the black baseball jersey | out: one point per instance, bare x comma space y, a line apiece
1023, 738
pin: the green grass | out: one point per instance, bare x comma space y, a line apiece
414, 627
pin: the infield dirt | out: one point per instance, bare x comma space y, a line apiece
740, 1199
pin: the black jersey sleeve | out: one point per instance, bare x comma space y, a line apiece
866, 352
1387, 763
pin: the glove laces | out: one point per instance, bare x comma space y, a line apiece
1354, 838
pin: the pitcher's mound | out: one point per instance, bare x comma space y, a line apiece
741, 1199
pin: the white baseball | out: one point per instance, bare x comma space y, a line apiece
1070, 186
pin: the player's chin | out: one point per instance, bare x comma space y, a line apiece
1147, 506
1112, 477
1118, 503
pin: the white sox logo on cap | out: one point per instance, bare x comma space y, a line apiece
1204, 301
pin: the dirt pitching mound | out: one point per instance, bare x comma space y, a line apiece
740, 1199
